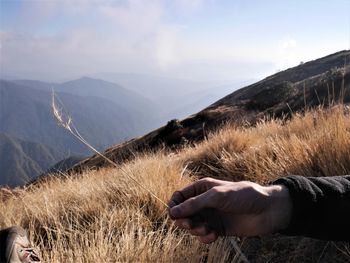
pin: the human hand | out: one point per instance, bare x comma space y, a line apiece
209, 208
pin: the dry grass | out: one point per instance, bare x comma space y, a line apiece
104, 217
314, 144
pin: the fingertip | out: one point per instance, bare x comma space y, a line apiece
177, 198
210, 238
171, 203
184, 223
200, 230
175, 212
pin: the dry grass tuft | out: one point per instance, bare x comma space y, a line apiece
314, 144
103, 216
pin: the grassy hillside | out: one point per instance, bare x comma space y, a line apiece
102, 216
323, 81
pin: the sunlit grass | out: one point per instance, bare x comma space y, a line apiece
103, 216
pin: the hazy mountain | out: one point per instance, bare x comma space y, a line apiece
25, 113
154, 87
173, 97
22, 160
113, 92
99, 88
36, 84
157, 99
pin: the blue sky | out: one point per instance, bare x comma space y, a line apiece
198, 39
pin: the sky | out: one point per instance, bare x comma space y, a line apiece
202, 40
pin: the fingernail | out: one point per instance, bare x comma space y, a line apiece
171, 204
175, 211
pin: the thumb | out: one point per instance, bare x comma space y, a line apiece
192, 205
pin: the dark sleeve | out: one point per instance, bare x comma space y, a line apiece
321, 206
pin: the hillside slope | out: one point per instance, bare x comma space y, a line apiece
287, 86
104, 216
21, 160
324, 81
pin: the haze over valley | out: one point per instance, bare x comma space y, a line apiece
105, 113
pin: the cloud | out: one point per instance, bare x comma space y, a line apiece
34, 15
90, 36
288, 42
167, 47
187, 6
135, 16
286, 54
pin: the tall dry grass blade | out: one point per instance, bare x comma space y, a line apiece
290, 109
304, 86
318, 98
67, 123
329, 95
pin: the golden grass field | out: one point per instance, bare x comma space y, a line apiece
102, 216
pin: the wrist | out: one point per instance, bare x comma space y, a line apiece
278, 214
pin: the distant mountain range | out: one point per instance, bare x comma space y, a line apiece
26, 114
89, 87
106, 113
175, 98
20, 160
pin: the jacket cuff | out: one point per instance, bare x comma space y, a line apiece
304, 199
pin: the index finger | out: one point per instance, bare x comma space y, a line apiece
192, 190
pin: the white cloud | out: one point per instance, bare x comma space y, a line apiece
136, 16
124, 36
187, 6
167, 47
288, 42
286, 54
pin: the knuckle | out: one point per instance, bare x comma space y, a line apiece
191, 202
207, 180
216, 190
189, 205
252, 188
218, 193
214, 194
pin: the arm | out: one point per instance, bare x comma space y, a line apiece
294, 205
321, 206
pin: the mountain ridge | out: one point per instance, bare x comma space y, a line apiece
25, 114
320, 83
22, 160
